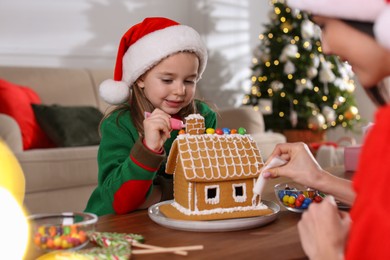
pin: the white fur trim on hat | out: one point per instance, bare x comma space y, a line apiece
381, 30
114, 92
357, 10
152, 48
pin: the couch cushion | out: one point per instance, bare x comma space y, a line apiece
69, 126
63, 86
59, 168
16, 101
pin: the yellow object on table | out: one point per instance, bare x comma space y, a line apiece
11, 174
12, 220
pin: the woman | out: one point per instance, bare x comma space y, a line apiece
325, 232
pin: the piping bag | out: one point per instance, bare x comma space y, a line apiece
260, 183
176, 124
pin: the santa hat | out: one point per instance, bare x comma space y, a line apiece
373, 11
142, 47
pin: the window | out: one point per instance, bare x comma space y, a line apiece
239, 192
212, 194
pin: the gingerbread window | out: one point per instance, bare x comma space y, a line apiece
212, 194
239, 192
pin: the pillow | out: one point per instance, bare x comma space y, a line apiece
69, 126
15, 101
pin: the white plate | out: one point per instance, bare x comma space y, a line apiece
213, 225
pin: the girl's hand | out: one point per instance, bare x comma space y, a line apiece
157, 129
301, 166
323, 230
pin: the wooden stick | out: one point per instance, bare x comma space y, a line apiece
166, 249
137, 244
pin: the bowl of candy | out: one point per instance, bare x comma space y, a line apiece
296, 197
61, 231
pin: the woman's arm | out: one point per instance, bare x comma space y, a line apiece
304, 169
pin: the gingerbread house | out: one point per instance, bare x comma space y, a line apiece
214, 174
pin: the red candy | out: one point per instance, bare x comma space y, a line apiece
219, 131
317, 198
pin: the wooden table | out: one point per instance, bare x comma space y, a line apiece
276, 240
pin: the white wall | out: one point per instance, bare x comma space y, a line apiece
85, 33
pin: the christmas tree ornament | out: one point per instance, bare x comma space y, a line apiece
289, 68
302, 84
307, 29
293, 118
329, 114
339, 100
265, 106
276, 85
316, 122
312, 72
289, 51
326, 74
351, 113
315, 60
307, 45
317, 31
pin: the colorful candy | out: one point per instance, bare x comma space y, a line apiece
242, 131
298, 199
226, 130
59, 237
221, 131
210, 131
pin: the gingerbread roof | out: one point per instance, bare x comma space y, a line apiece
213, 157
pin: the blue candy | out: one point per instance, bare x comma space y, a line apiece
226, 130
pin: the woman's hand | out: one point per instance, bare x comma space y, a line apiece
323, 230
157, 129
301, 165
302, 168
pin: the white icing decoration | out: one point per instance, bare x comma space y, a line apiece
189, 194
217, 210
194, 116
239, 198
195, 166
212, 200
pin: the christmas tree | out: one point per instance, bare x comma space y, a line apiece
294, 84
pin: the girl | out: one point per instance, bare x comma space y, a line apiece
161, 61
325, 232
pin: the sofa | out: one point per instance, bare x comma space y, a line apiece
61, 179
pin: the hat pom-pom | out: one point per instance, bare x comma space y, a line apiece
381, 30
114, 92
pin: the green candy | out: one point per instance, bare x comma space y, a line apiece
242, 131
66, 230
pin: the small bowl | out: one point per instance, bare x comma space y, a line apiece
61, 231
296, 197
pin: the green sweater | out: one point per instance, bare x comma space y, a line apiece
126, 167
